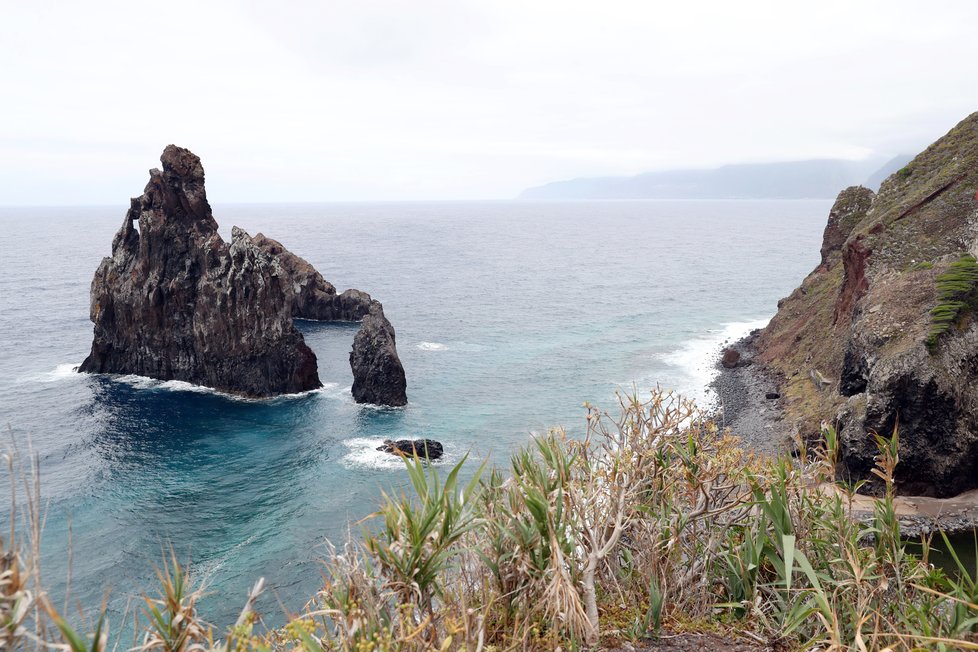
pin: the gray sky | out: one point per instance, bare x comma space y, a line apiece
455, 99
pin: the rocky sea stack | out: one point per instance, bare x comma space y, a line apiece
883, 333
177, 302
378, 376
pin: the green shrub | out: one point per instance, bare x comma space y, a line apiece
957, 292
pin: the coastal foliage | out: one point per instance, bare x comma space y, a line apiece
653, 519
957, 291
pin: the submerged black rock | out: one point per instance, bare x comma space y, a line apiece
424, 448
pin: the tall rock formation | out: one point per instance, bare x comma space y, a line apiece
862, 319
378, 376
177, 302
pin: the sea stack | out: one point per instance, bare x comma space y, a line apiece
378, 376
177, 302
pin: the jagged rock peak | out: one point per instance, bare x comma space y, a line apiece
180, 163
176, 302
849, 209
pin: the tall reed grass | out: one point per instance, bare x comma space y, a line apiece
653, 518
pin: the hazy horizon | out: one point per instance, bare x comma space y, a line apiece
443, 100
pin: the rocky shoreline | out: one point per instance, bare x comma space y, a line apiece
743, 388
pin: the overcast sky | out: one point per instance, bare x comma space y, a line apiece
376, 99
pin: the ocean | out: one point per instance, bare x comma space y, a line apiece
509, 317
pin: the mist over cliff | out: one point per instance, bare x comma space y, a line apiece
812, 179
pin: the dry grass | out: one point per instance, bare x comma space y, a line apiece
652, 519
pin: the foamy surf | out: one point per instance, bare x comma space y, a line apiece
432, 346
363, 454
697, 359
146, 383
65, 371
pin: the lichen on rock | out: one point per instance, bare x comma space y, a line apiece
313, 297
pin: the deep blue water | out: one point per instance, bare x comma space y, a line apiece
509, 315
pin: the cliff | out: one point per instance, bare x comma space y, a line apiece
175, 301
882, 333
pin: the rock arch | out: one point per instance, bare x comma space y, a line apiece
175, 301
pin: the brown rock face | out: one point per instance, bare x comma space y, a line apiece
378, 376
849, 209
854, 282
177, 302
730, 358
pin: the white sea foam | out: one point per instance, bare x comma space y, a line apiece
146, 383
181, 386
67, 371
337, 392
432, 346
364, 455
697, 359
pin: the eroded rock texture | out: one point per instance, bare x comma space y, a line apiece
177, 302
313, 297
861, 320
423, 448
378, 376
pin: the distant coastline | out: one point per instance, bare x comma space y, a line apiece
811, 179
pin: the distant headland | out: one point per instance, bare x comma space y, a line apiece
811, 179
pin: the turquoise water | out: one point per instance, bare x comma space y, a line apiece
509, 316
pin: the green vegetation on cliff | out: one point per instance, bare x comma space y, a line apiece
653, 521
884, 319
957, 290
